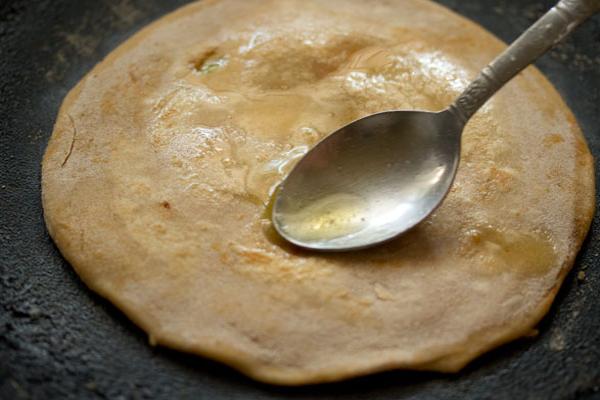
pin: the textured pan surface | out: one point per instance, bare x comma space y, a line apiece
56, 338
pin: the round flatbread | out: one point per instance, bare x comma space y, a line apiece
157, 180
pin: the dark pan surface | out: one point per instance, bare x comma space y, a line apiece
60, 340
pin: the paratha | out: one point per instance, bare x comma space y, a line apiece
158, 176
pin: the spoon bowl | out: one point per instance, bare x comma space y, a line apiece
370, 180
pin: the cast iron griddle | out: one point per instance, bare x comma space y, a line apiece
60, 340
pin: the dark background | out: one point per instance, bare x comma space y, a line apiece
60, 340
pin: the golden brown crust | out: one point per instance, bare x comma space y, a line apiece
157, 175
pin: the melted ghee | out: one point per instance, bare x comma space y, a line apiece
523, 253
329, 217
263, 179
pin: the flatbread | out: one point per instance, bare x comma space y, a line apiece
158, 176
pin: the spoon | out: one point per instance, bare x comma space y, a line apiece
381, 175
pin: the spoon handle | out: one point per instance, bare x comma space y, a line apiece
550, 29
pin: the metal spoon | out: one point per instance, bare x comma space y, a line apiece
381, 175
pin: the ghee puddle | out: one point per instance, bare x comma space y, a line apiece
522, 253
329, 217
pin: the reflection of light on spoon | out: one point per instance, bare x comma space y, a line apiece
330, 217
434, 176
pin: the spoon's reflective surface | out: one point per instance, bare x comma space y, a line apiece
383, 174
